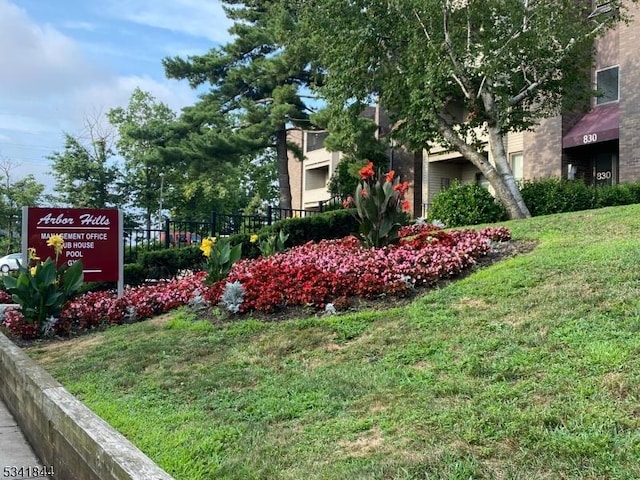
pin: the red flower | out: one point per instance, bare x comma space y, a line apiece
389, 176
367, 172
402, 188
364, 193
405, 206
348, 203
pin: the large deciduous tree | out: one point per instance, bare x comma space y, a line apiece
254, 80
85, 173
457, 72
144, 129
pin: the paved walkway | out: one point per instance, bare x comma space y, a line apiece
17, 460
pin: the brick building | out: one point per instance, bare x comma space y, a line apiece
600, 144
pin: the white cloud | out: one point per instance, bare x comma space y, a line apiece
79, 25
38, 60
51, 83
117, 91
197, 18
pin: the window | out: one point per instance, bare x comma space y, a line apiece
481, 181
315, 140
607, 85
445, 183
517, 165
317, 178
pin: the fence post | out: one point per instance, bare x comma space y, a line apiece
269, 214
214, 223
166, 233
321, 206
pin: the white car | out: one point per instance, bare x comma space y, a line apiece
10, 262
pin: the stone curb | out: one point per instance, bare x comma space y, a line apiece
63, 432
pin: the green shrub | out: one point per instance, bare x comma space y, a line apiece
554, 195
634, 190
578, 195
465, 204
168, 262
134, 274
249, 249
132, 252
614, 195
321, 226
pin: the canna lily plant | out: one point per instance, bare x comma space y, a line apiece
273, 244
220, 257
381, 208
41, 288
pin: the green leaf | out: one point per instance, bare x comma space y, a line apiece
73, 278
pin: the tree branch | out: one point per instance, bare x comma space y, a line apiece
459, 74
424, 28
517, 99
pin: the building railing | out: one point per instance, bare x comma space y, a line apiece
425, 209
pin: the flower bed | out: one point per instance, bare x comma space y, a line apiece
5, 297
311, 274
316, 273
105, 308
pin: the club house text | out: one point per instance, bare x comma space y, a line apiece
76, 242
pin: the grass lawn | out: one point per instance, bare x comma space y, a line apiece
528, 369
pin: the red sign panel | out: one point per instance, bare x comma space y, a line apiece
90, 235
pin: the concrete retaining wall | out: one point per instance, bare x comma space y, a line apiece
62, 431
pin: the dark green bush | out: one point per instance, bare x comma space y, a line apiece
134, 274
553, 195
249, 250
168, 262
611, 196
465, 204
131, 252
321, 226
634, 190
578, 195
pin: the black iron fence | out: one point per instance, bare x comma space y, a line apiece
178, 233
175, 233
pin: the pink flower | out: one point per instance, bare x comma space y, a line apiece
348, 202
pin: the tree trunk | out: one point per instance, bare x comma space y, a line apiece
283, 167
503, 168
512, 200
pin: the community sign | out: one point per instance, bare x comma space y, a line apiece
91, 235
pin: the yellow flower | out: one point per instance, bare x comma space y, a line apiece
206, 246
57, 242
253, 238
31, 253
32, 270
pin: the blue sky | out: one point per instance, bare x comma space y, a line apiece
68, 60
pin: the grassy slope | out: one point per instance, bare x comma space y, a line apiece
527, 369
